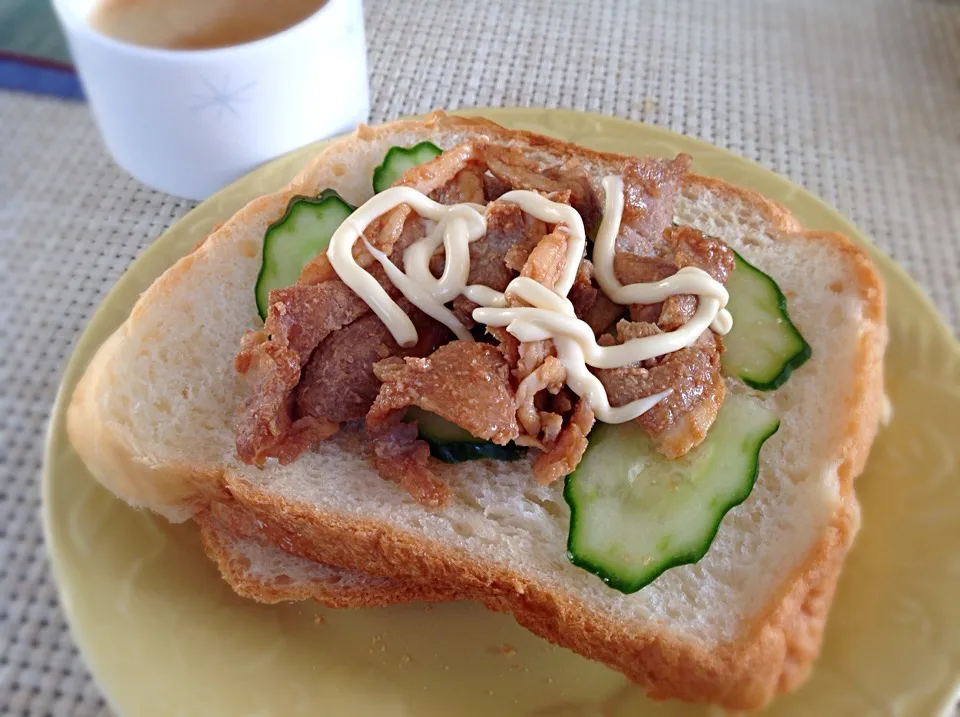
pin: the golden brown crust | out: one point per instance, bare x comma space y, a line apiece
223, 528
773, 655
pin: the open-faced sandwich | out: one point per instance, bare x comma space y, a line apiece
623, 402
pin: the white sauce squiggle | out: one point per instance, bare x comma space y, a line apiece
689, 277
550, 315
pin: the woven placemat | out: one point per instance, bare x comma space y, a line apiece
858, 101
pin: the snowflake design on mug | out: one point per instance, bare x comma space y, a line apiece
223, 98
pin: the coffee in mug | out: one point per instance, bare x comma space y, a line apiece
192, 25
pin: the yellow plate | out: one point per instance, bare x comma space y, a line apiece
164, 636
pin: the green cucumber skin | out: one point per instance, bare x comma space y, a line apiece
327, 195
629, 585
462, 452
437, 429
795, 361
385, 174
452, 444
791, 363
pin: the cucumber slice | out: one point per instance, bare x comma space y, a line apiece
399, 160
475, 451
764, 347
298, 236
452, 444
635, 514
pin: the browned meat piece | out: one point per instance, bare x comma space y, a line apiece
635, 269
467, 186
565, 454
689, 429
518, 171
301, 316
585, 273
549, 376
493, 188
602, 314
463, 310
649, 188
544, 265
537, 367
508, 344
627, 330
399, 457
680, 247
563, 402
338, 382
550, 427
508, 228
248, 343
583, 198
547, 260
266, 427
516, 255
649, 248
464, 382
692, 248
531, 354
583, 298
441, 171
680, 421
583, 294
674, 312
511, 236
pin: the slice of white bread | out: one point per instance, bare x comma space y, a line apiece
153, 420
256, 568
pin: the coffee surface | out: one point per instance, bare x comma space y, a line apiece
192, 25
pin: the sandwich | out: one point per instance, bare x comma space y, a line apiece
620, 401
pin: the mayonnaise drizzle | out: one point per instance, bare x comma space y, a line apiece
549, 314
457, 226
688, 280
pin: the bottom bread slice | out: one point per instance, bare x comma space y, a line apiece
257, 569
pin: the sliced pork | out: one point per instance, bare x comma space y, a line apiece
338, 383
466, 383
398, 456
564, 454
680, 421
323, 358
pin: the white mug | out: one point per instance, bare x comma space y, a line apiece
188, 122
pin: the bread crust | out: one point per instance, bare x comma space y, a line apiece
223, 527
772, 655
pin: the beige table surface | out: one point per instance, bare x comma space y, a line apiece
857, 100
